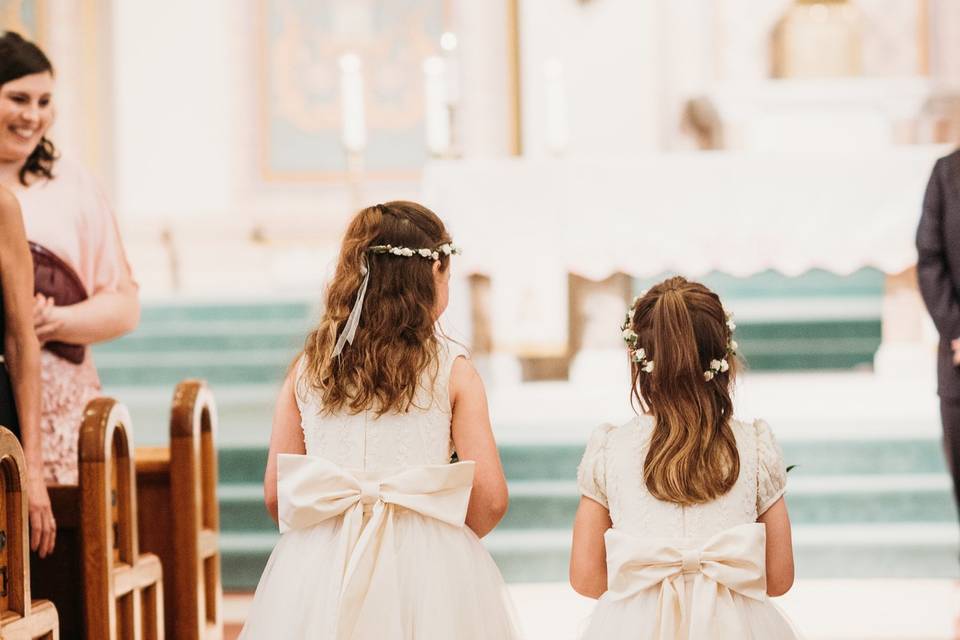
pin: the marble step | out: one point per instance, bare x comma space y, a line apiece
220, 367
552, 504
249, 352
193, 336
898, 550
181, 309
814, 459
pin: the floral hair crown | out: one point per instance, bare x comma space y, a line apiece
353, 320
638, 355
446, 249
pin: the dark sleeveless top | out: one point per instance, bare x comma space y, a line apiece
8, 409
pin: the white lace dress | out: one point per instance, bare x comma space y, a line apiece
683, 572
373, 543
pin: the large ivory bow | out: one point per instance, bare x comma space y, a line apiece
312, 490
733, 561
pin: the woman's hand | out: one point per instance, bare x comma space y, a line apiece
43, 527
48, 318
106, 315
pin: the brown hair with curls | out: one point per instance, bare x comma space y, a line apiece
396, 340
692, 458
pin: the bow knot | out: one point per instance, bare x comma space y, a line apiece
732, 563
312, 490
690, 562
369, 492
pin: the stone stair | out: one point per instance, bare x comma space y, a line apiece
860, 506
859, 509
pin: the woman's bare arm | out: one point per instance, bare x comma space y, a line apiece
101, 317
22, 353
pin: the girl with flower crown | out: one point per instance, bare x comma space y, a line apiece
682, 530
380, 532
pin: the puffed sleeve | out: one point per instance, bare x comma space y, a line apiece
105, 257
591, 474
771, 470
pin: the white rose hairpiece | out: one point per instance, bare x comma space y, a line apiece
446, 249
638, 355
353, 320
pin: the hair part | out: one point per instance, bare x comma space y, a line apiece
692, 457
20, 58
396, 340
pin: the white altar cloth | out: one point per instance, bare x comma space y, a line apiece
691, 213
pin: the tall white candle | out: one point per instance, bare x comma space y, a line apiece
437, 114
448, 43
352, 109
557, 132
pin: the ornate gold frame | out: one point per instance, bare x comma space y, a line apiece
266, 173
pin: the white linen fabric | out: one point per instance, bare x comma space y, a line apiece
684, 572
648, 214
373, 542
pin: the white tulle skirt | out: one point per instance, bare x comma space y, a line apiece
449, 585
638, 618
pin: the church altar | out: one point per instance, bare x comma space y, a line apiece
527, 223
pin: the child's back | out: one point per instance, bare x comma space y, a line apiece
379, 529
682, 519
612, 474
394, 440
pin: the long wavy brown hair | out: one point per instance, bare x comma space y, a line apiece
692, 458
396, 341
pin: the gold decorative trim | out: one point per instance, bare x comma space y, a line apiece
91, 103
513, 59
923, 37
42, 36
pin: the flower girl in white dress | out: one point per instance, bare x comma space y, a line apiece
380, 532
682, 530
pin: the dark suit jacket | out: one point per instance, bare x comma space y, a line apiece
938, 264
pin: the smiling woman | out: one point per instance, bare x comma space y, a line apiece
65, 214
25, 124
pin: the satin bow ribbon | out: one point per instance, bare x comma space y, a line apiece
733, 561
312, 490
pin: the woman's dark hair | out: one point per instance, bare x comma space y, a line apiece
19, 58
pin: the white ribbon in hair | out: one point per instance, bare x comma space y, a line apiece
353, 320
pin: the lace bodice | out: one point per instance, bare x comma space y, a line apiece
611, 473
393, 441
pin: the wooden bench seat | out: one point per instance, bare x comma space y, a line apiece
20, 616
103, 587
179, 517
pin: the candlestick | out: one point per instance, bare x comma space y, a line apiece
557, 133
437, 116
352, 111
448, 43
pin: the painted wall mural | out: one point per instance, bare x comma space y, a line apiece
26, 17
303, 41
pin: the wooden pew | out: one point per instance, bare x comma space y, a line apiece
185, 536
19, 616
104, 588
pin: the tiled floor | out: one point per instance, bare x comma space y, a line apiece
821, 609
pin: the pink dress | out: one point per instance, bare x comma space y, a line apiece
71, 217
